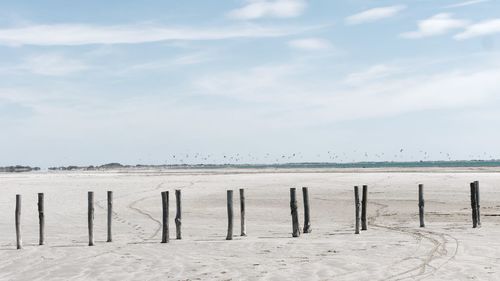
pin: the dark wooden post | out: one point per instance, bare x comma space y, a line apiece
242, 212
229, 215
41, 220
19, 240
295, 214
478, 205
165, 231
110, 216
357, 207
91, 217
178, 214
421, 204
307, 218
473, 204
364, 223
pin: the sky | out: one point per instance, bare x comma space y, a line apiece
248, 81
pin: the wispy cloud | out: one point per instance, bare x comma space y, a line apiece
466, 3
52, 65
83, 34
255, 9
436, 25
375, 14
483, 28
310, 44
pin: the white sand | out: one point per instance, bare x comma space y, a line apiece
394, 247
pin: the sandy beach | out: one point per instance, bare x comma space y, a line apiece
393, 248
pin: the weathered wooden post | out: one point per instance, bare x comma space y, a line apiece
165, 231
295, 214
178, 214
41, 220
307, 217
19, 240
473, 204
364, 205
110, 216
229, 215
421, 204
357, 207
478, 205
91, 217
242, 212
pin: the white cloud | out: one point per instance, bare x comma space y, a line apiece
374, 72
311, 44
255, 9
483, 28
436, 25
375, 14
281, 88
82, 34
467, 3
52, 65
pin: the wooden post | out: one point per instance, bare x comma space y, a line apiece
307, 218
478, 205
242, 212
357, 207
165, 231
41, 220
178, 214
364, 204
421, 204
295, 214
91, 217
229, 215
19, 240
473, 204
110, 216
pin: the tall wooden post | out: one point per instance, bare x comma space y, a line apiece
242, 212
41, 220
473, 204
307, 216
478, 204
19, 241
178, 214
165, 237
110, 216
229, 215
421, 204
91, 217
364, 205
295, 215
357, 207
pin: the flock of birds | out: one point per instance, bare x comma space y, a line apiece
400, 155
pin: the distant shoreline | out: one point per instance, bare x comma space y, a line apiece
355, 166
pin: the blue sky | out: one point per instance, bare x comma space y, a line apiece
253, 81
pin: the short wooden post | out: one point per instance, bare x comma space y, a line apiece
91, 217
307, 217
19, 240
421, 204
178, 214
110, 216
165, 231
478, 205
229, 215
242, 212
473, 204
41, 220
295, 214
357, 207
364, 205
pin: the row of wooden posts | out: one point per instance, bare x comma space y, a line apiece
360, 215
